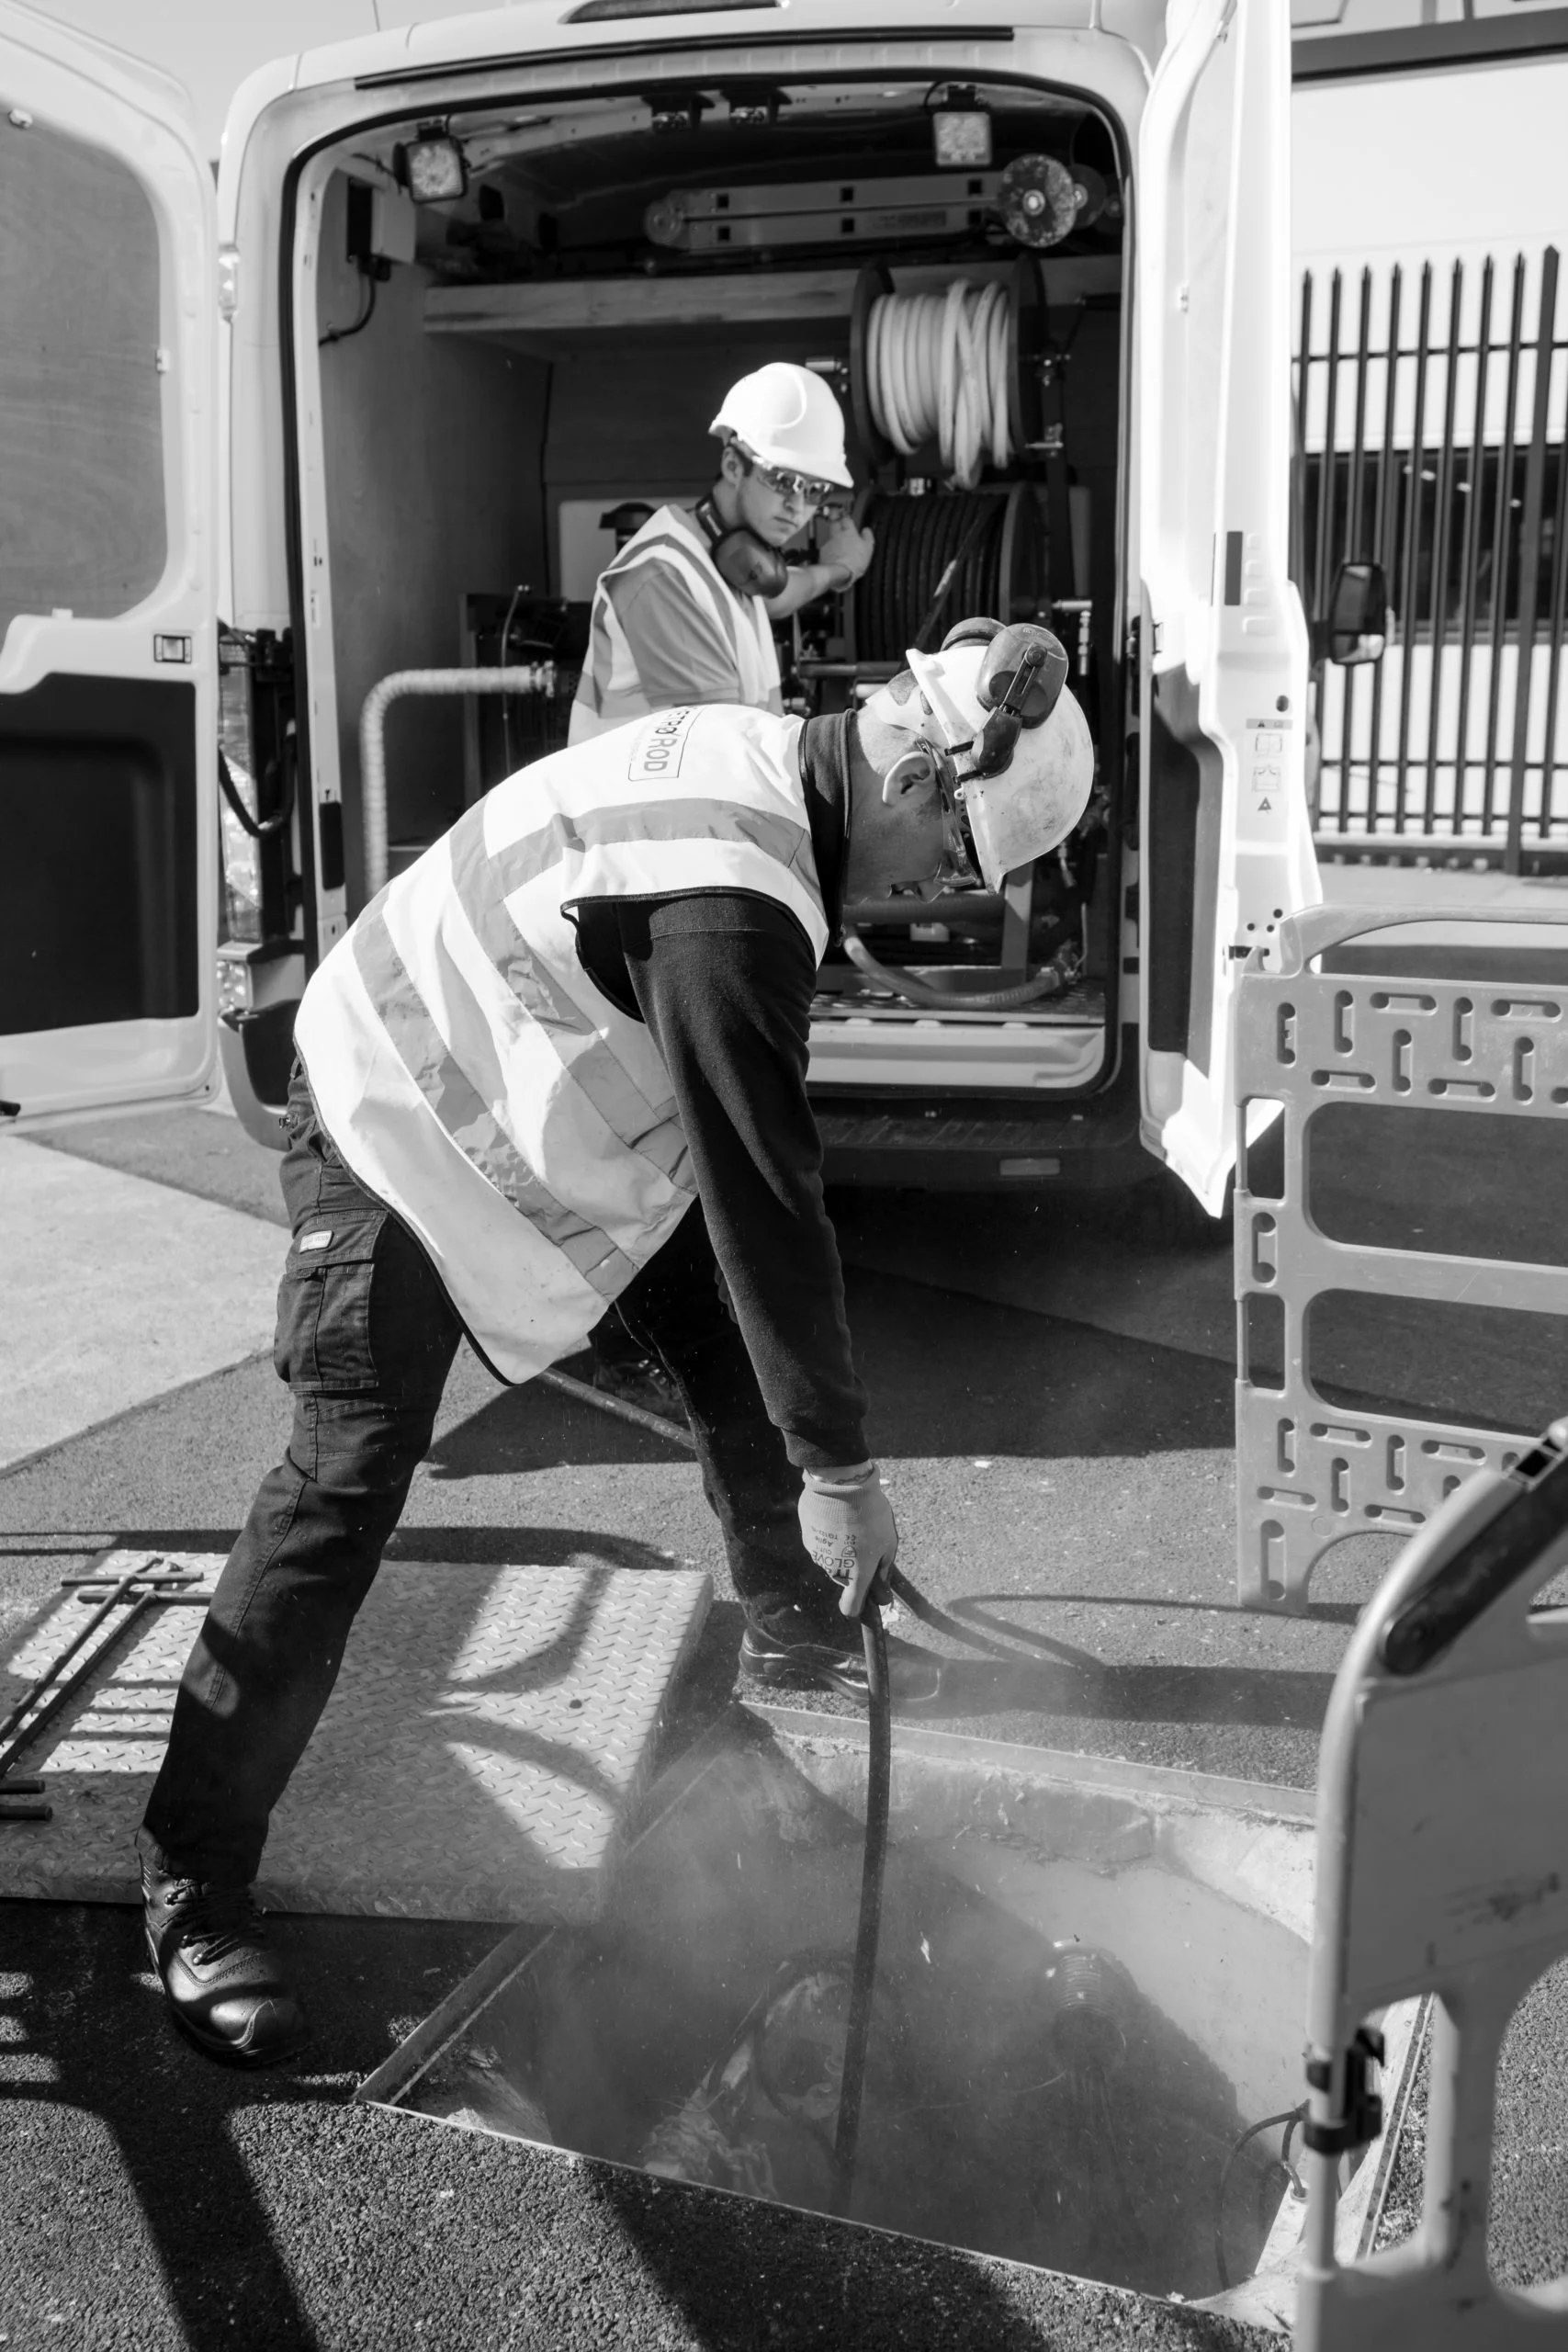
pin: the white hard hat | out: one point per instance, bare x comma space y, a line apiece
786, 416
1033, 803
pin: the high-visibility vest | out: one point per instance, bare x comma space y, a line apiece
472, 1075
610, 692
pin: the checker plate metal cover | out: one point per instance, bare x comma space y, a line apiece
490, 1734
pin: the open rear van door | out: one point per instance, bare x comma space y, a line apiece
1226, 845
108, 851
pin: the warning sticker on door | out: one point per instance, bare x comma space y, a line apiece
659, 748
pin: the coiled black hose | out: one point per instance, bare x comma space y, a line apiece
917, 540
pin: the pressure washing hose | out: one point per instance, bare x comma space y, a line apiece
936, 366
874, 1864
1050, 980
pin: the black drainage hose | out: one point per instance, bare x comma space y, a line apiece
863, 1985
873, 1866
938, 1620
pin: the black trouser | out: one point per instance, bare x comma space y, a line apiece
366, 1337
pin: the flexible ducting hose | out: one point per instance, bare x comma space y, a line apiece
937, 366
1049, 981
530, 678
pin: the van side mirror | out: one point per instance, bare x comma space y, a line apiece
1357, 626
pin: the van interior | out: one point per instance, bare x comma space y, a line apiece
526, 320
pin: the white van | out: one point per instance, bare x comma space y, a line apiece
467, 288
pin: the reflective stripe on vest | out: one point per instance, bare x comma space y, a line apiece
476, 1080
610, 692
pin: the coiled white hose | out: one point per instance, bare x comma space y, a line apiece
937, 364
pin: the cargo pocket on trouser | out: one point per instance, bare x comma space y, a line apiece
323, 1304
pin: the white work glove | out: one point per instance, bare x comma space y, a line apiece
847, 1525
846, 548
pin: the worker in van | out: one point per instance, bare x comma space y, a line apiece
560, 1061
684, 615
686, 612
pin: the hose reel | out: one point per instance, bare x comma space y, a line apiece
941, 556
952, 378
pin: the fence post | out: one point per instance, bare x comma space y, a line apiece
1530, 561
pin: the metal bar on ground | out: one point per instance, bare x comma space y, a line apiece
581, 1394
57, 1664
62, 1697
1530, 559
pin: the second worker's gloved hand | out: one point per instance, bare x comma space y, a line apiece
847, 1525
841, 544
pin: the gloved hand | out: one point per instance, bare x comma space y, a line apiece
847, 1525
843, 544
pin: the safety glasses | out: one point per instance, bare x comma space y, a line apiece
787, 485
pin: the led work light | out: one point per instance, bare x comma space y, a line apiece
962, 132
432, 167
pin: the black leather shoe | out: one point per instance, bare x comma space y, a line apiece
222, 1980
766, 1657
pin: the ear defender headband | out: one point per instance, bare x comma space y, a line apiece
1019, 686
741, 559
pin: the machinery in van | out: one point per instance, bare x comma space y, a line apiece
468, 291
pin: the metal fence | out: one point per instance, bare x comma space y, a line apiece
1431, 426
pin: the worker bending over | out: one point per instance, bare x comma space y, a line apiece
686, 612
560, 1061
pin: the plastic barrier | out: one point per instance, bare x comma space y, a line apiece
1309, 1473
1439, 1870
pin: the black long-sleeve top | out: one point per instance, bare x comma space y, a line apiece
725, 982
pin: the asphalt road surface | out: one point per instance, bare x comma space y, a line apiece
1052, 1401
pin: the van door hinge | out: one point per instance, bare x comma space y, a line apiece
228, 280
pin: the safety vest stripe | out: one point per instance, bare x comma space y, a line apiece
651, 1130
781, 838
686, 561
463, 1111
511, 1060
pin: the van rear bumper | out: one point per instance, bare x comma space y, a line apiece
1003, 1145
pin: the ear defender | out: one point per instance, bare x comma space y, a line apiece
741, 559
1024, 671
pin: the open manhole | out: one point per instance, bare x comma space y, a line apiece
1091, 1987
